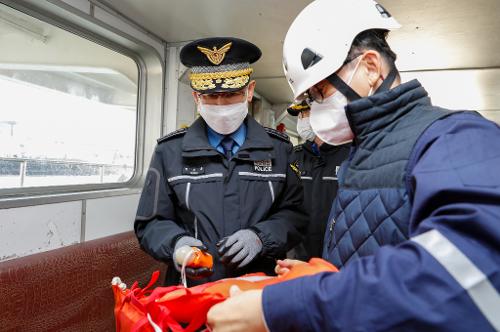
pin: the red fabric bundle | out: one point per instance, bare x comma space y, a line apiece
169, 307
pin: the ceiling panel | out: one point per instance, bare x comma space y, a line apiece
436, 34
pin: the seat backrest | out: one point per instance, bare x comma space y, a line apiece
69, 289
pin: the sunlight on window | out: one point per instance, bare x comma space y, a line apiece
65, 119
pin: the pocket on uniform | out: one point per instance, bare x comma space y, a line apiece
182, 191
258, 192
148, 203
273, 181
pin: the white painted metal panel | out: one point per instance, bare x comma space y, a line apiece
82, 5
186, 113
33, 229
108, 18
109, 216
171, 86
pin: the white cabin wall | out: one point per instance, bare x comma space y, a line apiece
178, 97
281, 115
171, 89
187, 108
264, 115
267, 109
108, 216
33, 229
82, 5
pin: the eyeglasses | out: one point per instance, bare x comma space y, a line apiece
229, 97
316, 92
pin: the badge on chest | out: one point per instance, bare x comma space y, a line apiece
263, 166
193, 170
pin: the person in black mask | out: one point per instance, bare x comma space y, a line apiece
319, 164
226, 184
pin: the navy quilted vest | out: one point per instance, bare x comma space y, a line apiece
373, 207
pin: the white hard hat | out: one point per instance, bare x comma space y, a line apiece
319, 39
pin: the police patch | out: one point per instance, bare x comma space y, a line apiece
295, 168
263, 166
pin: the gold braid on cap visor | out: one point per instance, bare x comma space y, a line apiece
233, 79
300, 107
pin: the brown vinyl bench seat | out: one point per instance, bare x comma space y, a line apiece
69, 289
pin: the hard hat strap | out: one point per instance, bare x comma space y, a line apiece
386, 84
352, 95
344, 89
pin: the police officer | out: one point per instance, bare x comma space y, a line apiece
319, 164
225, 184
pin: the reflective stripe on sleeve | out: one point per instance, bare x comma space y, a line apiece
261, 175
195, 177
271, 189
188, 190
331, 178
477, 285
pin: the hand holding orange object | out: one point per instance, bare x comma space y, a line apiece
193, 262
284, 266
195, 257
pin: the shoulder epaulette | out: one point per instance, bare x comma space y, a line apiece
275, 133
298, 148
175, 133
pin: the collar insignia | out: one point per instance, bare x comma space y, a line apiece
215, 55
295, 168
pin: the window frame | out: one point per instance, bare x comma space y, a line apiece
148, 62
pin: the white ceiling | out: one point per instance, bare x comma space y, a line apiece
436, 34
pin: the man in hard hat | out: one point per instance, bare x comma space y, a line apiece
319, 164
415, 226
226, 183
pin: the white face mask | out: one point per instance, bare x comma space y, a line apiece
328, 119
304, 129
224, 119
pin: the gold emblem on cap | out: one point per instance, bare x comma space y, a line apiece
233, 79
215, 56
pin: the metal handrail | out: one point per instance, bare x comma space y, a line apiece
67, 162
23, 163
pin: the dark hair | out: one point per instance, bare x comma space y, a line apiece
373, 39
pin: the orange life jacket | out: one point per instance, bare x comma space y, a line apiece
183, 309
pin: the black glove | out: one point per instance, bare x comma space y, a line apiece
240, 248
198, 273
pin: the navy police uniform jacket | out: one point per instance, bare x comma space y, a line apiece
319, 179
192, 189
446, 275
